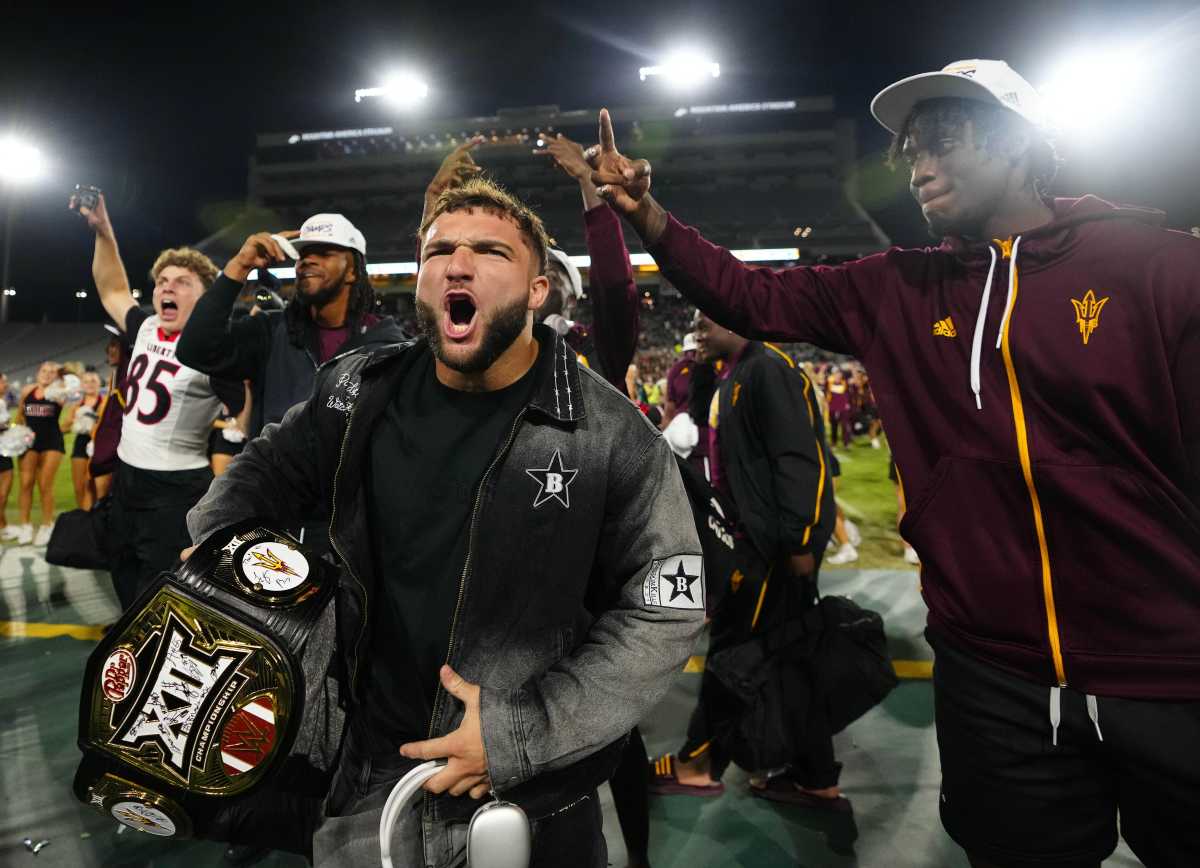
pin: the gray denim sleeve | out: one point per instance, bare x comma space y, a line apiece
633, 650
274, 478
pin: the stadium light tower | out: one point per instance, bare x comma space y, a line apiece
683, 70
21, 163
403, 90
1091, 88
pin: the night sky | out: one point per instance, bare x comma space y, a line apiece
160, 108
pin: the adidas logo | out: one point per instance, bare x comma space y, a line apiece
945, 328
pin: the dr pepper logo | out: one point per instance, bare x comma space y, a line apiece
119, 671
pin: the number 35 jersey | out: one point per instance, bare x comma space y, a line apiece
169, 407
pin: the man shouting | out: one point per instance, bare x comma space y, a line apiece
522, 573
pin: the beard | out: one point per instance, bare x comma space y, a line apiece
499, 331
323, 296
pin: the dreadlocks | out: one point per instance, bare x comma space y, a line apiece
935, 119
360, 303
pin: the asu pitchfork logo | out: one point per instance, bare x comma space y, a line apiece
1087, 313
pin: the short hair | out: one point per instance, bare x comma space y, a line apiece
189, 258
486, 195
933, 119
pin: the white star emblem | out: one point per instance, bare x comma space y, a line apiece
553, 482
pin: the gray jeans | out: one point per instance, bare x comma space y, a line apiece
347, 832
352, 840
347, 829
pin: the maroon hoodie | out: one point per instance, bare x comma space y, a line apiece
1054, 497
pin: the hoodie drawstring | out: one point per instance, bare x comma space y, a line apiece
1093, 709
1093, 712
1012, 288
1055, 713
977, 337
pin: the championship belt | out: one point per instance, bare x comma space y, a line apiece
193, 698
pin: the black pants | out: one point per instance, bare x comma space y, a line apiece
572, 836
753, 609
149, 526
1018, 794
631, 798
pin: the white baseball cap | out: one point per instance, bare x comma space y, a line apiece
330, 229
573, 275
990, 81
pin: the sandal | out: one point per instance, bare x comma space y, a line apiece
781, 788
664, 781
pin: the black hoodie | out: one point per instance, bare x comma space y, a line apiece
259, 348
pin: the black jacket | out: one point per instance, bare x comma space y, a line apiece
568, 617
259, 348
773, 454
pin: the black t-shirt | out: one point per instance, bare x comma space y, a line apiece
428, 454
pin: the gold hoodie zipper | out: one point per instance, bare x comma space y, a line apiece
1022, 435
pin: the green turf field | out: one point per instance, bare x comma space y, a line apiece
864, 491
868, 498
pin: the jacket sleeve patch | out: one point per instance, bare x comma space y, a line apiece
676, 582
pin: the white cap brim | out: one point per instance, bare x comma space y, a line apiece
298, 244
286, 245
573, 275
892, 105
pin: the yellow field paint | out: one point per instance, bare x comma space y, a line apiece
918, 669
35, 630
910, 669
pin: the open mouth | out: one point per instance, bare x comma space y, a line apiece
460, 314
169, 308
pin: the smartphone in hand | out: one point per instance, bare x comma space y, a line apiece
85, 196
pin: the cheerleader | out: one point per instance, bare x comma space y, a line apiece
41, 405
80, 417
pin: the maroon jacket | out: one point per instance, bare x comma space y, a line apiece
1056, 509
610, 343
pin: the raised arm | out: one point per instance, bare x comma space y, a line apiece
611, 286
834, 307
211, 342
456, 169
107, 269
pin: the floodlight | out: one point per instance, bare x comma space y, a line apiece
683, 70
401, 89
20, 161
1091, 88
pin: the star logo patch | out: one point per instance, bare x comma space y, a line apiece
553, 481
676, 582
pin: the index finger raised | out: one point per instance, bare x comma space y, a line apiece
470, 144
607, 143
